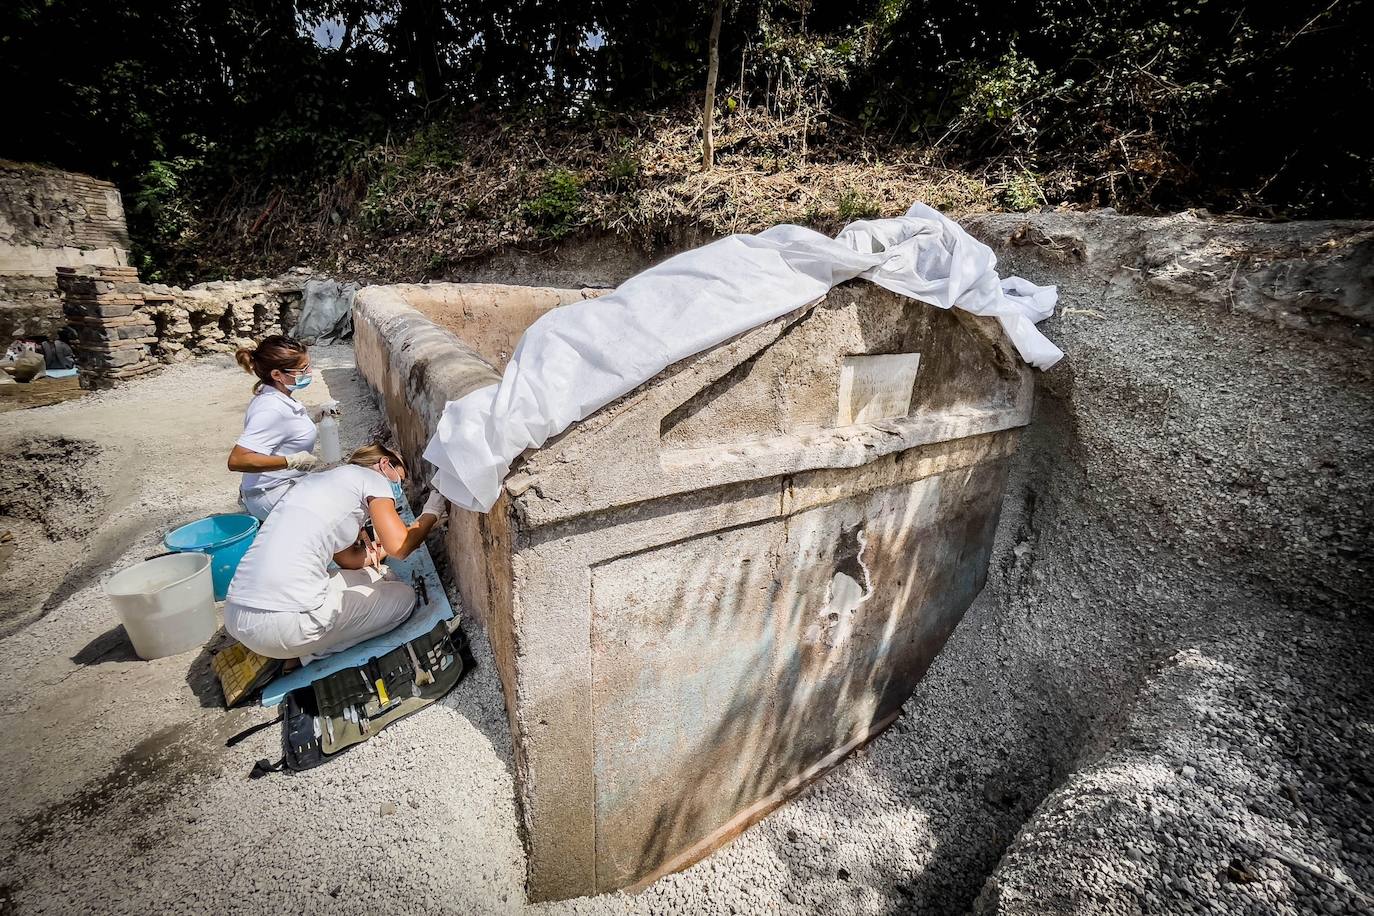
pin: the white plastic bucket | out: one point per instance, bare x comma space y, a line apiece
167, 604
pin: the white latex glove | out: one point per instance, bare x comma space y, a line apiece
317, 412
376, 553
301, 461
437, 506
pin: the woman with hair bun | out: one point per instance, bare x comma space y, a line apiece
278, 431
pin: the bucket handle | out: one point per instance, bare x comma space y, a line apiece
165, 553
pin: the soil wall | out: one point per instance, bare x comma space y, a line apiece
1175, 643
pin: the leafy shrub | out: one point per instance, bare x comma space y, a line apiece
433, 147
164, 213
1023, 192
377, 214
622, 170
1003, 97
555, 211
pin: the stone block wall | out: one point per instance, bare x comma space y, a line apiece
29, 305
127, 328
49, 219
707, 593
113, 342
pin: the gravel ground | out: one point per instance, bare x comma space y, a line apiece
1160, 703
1187, 590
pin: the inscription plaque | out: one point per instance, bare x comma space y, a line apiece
876, 387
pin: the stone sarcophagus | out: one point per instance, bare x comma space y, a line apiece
711, 590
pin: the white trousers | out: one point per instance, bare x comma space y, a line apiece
359, 605
259, 503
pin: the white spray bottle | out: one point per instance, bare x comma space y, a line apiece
330, 450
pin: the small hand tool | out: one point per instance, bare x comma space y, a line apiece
422, 675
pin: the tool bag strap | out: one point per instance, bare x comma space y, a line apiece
265, 766
252, 730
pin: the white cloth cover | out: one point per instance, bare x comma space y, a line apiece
580, 357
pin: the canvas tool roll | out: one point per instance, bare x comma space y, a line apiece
349, 706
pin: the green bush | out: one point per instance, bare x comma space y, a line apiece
622, 170
433, 148
1002, 96
377, 215
854, 205
164, 214
1023, 192
555, 211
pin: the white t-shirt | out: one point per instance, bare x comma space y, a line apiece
287, 566
275, 425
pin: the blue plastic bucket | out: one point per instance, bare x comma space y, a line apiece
224, 537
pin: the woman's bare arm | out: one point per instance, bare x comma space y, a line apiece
399, 539
354, 557
249, 462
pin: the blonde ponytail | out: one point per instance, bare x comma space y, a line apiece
368, 455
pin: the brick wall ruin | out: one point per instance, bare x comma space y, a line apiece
64, 259
127, 328
50, 219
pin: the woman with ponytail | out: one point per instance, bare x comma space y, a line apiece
278, 431
286, 601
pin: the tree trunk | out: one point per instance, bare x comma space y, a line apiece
743, 52
708, 110
352, 18
419, 20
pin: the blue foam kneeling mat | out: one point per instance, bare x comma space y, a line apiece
420, 621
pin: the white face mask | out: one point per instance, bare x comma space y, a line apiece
385, 468
296, 379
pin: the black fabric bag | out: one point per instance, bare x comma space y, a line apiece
301, 748
304, 729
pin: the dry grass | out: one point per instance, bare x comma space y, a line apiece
467, 190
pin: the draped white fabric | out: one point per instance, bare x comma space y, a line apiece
580, 357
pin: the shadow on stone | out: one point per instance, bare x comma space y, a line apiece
111, 646
200, 677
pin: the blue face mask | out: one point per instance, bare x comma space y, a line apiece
302, 381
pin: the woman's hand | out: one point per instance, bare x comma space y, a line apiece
317, 412
365, 553
301, 461
375, 552
437, 506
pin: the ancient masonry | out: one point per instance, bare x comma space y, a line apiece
127, 328
64, 259
708, 592
51, 219
114, 342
